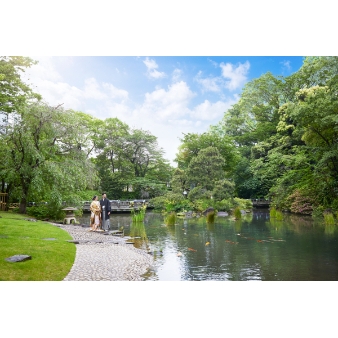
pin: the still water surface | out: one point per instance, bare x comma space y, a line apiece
255, 248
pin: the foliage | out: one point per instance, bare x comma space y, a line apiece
242, 203
43, 157
273, 212
170, 218
223, 189
171, 202
199, 193
224, 205
279, 215
329, 218
210, 217
193, 143
138, 215
300, 203
206, 168
237, 213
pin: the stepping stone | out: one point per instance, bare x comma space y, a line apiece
3, 236
49, 239
18, 258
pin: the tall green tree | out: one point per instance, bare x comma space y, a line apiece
44, 154
206, 168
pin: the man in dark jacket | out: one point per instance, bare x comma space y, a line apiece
105, 214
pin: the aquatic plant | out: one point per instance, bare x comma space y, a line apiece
279, 215
273, 212
237, 213
329, 218
210, 217
170, 219
138, 214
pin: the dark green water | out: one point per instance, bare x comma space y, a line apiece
255, 248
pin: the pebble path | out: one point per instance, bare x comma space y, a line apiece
102, 257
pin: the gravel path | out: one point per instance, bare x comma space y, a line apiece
105, 257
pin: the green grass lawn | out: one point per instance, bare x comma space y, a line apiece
51, 259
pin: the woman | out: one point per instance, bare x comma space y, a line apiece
95, 217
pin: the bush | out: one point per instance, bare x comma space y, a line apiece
242, 203
224, 205
171, 202
300, 203
199, 193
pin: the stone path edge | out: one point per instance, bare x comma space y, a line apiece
102, 257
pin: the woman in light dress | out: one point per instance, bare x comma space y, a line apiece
95, 217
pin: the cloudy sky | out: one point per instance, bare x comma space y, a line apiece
166, 95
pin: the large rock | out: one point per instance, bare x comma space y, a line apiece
18, 258
222, 214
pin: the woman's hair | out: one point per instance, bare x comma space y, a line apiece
94, 198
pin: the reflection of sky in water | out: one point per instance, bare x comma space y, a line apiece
255, 248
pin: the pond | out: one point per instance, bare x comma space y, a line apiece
254, 248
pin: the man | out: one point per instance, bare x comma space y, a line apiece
106, 209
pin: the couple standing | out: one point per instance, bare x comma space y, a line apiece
100, 213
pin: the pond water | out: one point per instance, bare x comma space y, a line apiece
254, 248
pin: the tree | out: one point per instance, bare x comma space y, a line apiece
44, 155
206, 168
193, 143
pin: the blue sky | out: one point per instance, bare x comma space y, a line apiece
166, 95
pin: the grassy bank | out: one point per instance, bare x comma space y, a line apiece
51, 259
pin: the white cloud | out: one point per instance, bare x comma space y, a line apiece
236, 75
208, 111
114, 92
208, 84
162, 104
286, 65
176, 75
152, 69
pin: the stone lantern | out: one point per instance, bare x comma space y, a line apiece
70, 215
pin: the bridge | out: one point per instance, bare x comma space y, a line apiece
120, 206
260, 203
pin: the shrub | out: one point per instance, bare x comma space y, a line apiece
199, 193
242, 203
170, 202
300, 203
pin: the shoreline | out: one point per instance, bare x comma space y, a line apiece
101, 257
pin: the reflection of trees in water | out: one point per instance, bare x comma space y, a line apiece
137, 229
330, 229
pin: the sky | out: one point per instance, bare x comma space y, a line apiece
165, 95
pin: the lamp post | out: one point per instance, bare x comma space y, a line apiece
185, 193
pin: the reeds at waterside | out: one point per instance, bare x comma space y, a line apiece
170, 219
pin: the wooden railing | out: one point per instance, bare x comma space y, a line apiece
260, 202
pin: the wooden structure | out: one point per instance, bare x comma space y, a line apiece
120, 206
3, 201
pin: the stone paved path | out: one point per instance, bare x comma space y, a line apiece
110, 260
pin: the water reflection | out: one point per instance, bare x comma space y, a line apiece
253, 248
